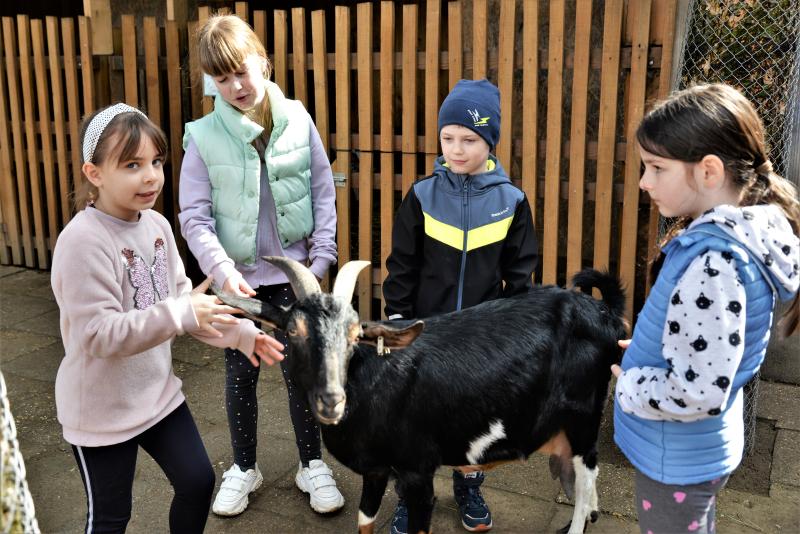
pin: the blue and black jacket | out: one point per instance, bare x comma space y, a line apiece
459, 240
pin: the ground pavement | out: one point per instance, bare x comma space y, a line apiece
763, 496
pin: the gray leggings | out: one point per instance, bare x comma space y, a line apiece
667, 508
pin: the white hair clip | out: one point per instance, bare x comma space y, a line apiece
98, 125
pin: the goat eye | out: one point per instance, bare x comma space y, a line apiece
292, 332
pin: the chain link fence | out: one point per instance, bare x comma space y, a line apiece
753, 45
17, 513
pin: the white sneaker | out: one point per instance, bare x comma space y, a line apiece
317, 480
236, 486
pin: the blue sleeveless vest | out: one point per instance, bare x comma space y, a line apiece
690, 453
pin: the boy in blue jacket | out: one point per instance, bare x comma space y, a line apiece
462, 236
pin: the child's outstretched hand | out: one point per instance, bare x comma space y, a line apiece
268, 349
209, 309
616, 370
236, 285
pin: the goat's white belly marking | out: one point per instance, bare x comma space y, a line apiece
479, 445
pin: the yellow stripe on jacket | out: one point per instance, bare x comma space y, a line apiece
476, 238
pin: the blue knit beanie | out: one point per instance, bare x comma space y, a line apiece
474, 104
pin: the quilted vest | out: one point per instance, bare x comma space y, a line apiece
690, 453
223, 138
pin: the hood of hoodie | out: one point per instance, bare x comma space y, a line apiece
455, 182
767, 234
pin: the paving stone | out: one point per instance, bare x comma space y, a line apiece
7, 270
786, 459
46, 324
18, 308
15, 343
778, 402
27, 283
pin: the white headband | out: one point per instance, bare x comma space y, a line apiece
98, 125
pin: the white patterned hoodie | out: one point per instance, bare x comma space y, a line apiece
696, 385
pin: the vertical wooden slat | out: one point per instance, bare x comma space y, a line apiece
606, 136
480, 17
206, 102
7, 188
365, 162
45, 130
552, 180
640, 13
409, 103
54, 55
260, 26
455, 55
387, 135
87, 70
281, 54
669, 13
100, 13
240, 8
432, 23
26, 86
299, 54
342, 163
320, 64
505, 80
195, 73
530, 99
129, 60
71, 86
174, 106
152, 41
577, 136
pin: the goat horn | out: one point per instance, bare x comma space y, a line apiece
346, 279
303, 281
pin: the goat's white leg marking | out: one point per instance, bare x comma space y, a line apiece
364, 520
481, 443
585, 494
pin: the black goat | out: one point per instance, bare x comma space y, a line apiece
479, 387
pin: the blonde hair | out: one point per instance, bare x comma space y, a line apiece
130, 127
717, 119
224, 42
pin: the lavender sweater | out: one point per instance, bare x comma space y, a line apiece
123, 297
198, 225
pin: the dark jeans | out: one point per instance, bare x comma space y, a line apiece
175, 444
241, 381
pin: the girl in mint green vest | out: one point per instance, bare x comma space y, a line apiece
732, 252
256, 181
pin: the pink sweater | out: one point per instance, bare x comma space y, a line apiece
123, 297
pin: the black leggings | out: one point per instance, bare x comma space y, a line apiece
241, 380
175, 444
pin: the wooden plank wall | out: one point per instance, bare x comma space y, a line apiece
563, 143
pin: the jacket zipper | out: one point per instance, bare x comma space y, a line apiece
464, 228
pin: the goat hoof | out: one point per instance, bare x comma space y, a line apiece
564, 529
593, 516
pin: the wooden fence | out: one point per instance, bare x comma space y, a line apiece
574, 78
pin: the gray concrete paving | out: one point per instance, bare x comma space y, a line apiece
762, 496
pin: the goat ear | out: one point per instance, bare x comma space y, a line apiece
254, 309
395, 334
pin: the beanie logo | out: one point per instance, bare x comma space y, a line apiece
477, 119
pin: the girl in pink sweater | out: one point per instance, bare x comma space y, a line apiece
123, 297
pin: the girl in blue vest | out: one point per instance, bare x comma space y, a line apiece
256, 181
732, 252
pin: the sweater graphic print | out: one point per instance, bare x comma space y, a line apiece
150, 282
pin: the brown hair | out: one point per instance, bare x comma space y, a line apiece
717, 119
224, 42
129, 127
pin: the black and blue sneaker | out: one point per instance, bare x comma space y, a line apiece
400, 520
475, 514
